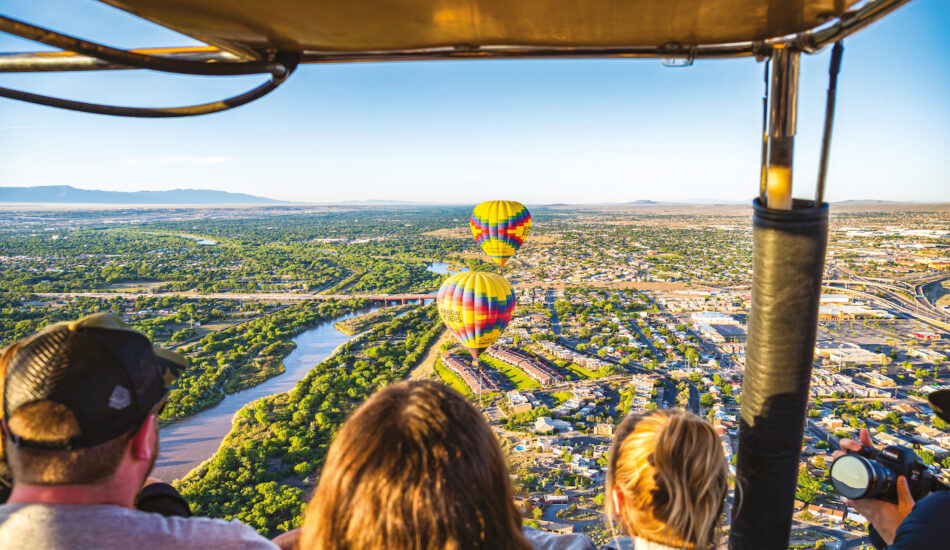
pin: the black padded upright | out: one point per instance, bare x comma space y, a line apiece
789, 258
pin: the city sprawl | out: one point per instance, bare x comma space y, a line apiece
619, 310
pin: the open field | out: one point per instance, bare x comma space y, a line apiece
452, 379
135, 286
582, 372
518, 378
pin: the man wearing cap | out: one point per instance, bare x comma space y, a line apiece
80, 407
907, 525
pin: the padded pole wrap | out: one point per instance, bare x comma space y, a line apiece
789, 257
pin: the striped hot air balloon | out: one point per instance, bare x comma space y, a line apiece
500, 227
476, 308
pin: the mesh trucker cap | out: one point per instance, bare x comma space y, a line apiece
940, 404
106, 373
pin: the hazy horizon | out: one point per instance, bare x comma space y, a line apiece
688, 201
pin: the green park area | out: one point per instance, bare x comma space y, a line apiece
452, 379
518, 378
580, 372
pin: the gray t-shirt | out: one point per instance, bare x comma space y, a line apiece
542, 540
107, 527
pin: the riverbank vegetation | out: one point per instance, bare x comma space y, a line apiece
356, 325
167, 320
245, 355
268, 463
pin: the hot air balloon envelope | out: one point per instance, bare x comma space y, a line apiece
500, 227
476, 308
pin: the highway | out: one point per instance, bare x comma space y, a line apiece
919, 307
891, 300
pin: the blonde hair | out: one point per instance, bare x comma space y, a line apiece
415, 468
670, 467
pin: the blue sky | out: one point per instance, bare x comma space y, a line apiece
579, 131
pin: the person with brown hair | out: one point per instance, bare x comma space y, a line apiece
415, 468
667, 481
80, 405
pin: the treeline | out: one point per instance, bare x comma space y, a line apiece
93, 259
245, 355
87, 260
21, 317
345, 223
183, 315
262, 472
389, 276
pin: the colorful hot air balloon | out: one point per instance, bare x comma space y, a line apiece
476, 308
500, 227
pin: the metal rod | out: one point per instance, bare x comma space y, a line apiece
783, 110
133, 59
69, 61
157, 112
848, 24
783, 107
765, 132
833, 68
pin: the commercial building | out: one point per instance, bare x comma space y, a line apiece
713, 318
546, 425
721, 334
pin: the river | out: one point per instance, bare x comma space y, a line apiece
189, 442
442, 268
200, 240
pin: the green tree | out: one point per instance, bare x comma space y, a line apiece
808, 487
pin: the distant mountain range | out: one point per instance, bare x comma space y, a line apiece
684, 202
69, 194
870, 201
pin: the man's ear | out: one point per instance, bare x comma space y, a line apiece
143, 441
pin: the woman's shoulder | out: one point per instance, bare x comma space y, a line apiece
542, 540
634, 543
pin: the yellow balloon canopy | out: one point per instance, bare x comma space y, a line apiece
500, 228
476, 308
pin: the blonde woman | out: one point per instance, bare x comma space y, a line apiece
415, 468
667, 481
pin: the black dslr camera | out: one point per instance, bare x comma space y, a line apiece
873, 474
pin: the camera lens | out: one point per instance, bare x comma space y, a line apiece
852, 476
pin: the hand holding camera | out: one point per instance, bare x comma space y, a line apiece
875, 483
